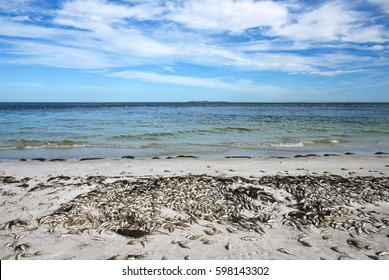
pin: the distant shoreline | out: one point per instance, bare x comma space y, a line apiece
194, 102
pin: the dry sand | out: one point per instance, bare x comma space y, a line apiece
35, 191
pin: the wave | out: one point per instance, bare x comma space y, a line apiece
29, 144
158, 135
288, 145
329, 141
144, 136
373, 132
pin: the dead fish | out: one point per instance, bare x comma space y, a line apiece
231, 230
327, 237
65, 235
134, 257
344, 257
20, 236
22, 247
382, 254
193, 237
134, 233
208, 242
11, 244
373, 257
282, 250
209, 232
171, 228
337, 249
133, 242
182, 224
97, 238
248, 238
356, 244
183, 244
305, 243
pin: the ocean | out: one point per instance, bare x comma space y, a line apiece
206, 129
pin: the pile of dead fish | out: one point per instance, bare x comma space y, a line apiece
335, 201
154, 204
165, 204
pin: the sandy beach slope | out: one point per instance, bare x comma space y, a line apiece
334, 207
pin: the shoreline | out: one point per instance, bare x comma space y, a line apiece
124, 154
247, 208
75, 153
359, 165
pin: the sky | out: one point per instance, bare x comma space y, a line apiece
187, 50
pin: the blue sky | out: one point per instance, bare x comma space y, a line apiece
177, 50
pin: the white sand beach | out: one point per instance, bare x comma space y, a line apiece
334, 207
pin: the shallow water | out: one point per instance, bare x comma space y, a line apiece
74, 130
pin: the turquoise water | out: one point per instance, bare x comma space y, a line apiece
74, 130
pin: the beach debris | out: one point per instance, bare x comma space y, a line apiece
305, 243
207, 241
282, 250
337, 249
327, 237
344, 257
18, 256
139, 207
193, 237
134, 233
183, 244
128, 157
357, 244
135, 256
248, 238
22, 247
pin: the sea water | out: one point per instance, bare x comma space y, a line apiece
112, 130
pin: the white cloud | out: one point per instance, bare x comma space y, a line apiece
96, 34
16, 5
58, 56
333, 21
103, 9
215, 83
337, 72
169, 69
12, 28
106, 25
383, 4
234, 16
211, 83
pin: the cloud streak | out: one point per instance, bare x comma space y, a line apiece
243, 86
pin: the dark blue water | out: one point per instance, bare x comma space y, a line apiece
73, 130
